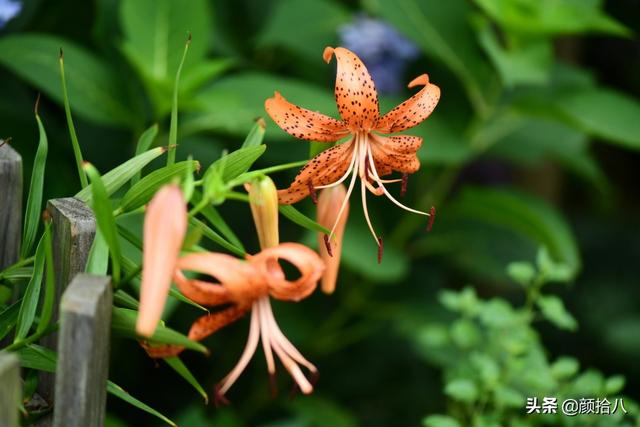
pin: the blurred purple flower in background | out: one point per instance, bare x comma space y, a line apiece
382, 48
8, 10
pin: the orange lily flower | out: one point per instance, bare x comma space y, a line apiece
329, 205
366, 153
165, 225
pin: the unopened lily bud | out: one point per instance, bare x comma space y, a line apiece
263, 199
165, 225
333, 211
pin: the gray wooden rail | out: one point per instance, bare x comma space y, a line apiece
83, 357
10, 205
83, 306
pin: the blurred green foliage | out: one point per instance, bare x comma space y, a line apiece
534, 145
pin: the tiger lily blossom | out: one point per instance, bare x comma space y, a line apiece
367, 153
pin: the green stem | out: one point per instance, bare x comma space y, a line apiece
247, 176
72, 130
31, 339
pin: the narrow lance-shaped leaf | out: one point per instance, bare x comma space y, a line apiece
118, 176
143, 191
50, 281
239, 161
34, 200
173, 127
31, 295
256, 134
301, 219
177, 365
104, 217
123, 323
72, 130
145, 141
119, 392
8, 318
217, 238
98, 261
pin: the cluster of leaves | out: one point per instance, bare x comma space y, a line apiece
493, 358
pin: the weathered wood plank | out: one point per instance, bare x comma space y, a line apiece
74, 228
10, 389
10, 205
83, 355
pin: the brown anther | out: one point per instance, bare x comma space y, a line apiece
405, 181
312, 192
273, 385
432, 217
380, 249
219, 399
327, 244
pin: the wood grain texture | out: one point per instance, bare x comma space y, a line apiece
10, 205
83, 356
74, 228
10, 389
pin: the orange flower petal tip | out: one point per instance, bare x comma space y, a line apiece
421, 80
327, 54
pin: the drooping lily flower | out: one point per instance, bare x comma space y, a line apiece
329, 205
245, 285
366, 153
165, 225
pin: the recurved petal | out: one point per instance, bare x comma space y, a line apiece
237, 279
210, 323
308, 263
355, 91
165, 225
329, 204
412, 111
395, 153
303, 123
325, 168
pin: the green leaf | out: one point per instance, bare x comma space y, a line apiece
604, 113
119, 392
123, 323
256, 134
118, 176
301, 219
155, 32
125, 300
522, 214
143, 191
202, 72
173, 125
216, 238
144, 142
34, 356
565, 367
177, 365
232, 104
94, 88
462, 390
614, 385
238, 162
212, 215
550, 17
521, 272
98, 262
49, 300
553, 309
31, 295
316, 411
318, 32
440, 421
101, 205
34, 199
9, 318
442, 30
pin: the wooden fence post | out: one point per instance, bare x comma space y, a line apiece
74, 228
10, 389
10, 205
83, 356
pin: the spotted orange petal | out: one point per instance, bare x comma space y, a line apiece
395, 153
355, 91
236, 279
210, 323
412, 111
323, 169
307, 261
303, 123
